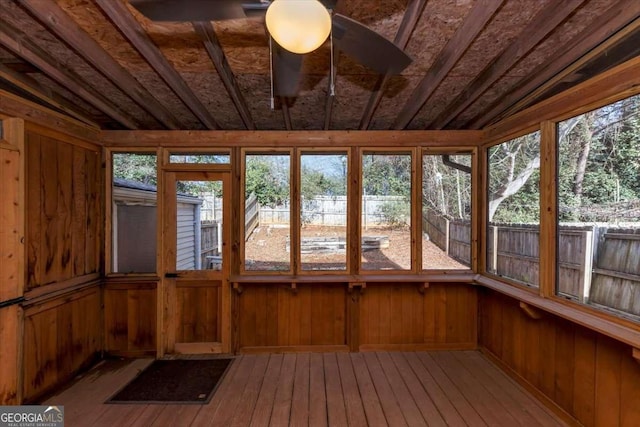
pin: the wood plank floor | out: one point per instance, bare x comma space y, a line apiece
336, 389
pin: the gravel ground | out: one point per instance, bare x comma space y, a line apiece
266, 249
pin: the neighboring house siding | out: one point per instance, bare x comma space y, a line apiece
186, 237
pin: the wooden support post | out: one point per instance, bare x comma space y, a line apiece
531, 312
494, 249
586, 267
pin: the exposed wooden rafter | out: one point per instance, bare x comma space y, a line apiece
43, 94
542, 24
409, 20
60, 23
619, 20
121, 16
206, 32
474, 23
16, 41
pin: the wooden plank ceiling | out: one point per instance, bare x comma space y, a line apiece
475, 61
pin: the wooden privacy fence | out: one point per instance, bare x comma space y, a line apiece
251, 215
597, 264
209, 243
452, 236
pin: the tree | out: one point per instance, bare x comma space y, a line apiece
511, 165
268, 178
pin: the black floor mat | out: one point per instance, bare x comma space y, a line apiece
174, 381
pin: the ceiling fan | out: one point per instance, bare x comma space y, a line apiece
308, 19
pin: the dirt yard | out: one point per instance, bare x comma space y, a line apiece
267, 249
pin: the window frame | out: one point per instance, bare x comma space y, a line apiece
293, 221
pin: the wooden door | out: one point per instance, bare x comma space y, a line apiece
196, 262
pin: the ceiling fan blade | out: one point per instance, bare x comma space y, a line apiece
368, 47
194, 10
287, 71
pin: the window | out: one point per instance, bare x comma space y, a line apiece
267, 208
513, 209
323, 211
446, 211
599, 207
134, 213
386, 211
215, 158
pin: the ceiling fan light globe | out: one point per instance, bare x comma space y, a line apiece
299, 26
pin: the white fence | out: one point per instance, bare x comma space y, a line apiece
332, 211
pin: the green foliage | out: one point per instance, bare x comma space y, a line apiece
315, 183
611, 138
386, 175
135, 167
268, 178
395, 214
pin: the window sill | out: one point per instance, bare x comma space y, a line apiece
443, 277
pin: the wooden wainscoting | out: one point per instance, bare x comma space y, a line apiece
61, 336
589, 376
410, 317
368, 316
130, 317
274, 317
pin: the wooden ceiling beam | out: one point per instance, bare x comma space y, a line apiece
619, 20
208, 36
409, 21
47, 96
474, 23
124, 20
16, 41
540, 27
61, 24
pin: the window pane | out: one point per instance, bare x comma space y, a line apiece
599, 207
386, 212
323, 200
267, 210
199, 158
199, 225
134, 196
513, 235
446, 211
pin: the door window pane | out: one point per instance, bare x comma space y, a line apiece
199, 225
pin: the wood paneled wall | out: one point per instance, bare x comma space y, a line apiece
63, 227
381, 316
61, 336
130, 318
271, 315
593, 378
409, 317
64, 209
